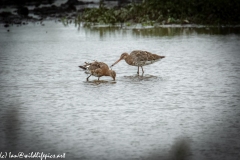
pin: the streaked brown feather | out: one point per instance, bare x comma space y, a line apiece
98, 69
139, 58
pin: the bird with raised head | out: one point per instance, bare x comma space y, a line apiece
139, 58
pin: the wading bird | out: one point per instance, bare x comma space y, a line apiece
98, 69
139, 58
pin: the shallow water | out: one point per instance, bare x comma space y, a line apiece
185, 106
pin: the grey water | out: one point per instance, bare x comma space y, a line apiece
187, 106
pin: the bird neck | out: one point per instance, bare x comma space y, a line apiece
108, 73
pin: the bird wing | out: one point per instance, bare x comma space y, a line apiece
97, 65
103, 65
139, 55
94, 65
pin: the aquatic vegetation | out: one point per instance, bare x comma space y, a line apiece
164, 12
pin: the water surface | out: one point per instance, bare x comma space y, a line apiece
186, 105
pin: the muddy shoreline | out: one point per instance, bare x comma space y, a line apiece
13, 13
22, 12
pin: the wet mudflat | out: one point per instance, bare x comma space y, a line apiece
186, 105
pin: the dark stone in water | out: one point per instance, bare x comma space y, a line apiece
17, 22
6, 25
76, 2
23, 11
5, 14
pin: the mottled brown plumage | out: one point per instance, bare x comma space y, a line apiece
98, 69
139, 58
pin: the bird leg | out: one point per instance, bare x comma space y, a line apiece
142, 70
88, 77
98, 78
138, 70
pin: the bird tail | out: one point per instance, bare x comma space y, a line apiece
83, 67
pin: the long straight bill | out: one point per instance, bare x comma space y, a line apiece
116, 62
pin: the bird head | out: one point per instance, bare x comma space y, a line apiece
113, 74
123, 56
